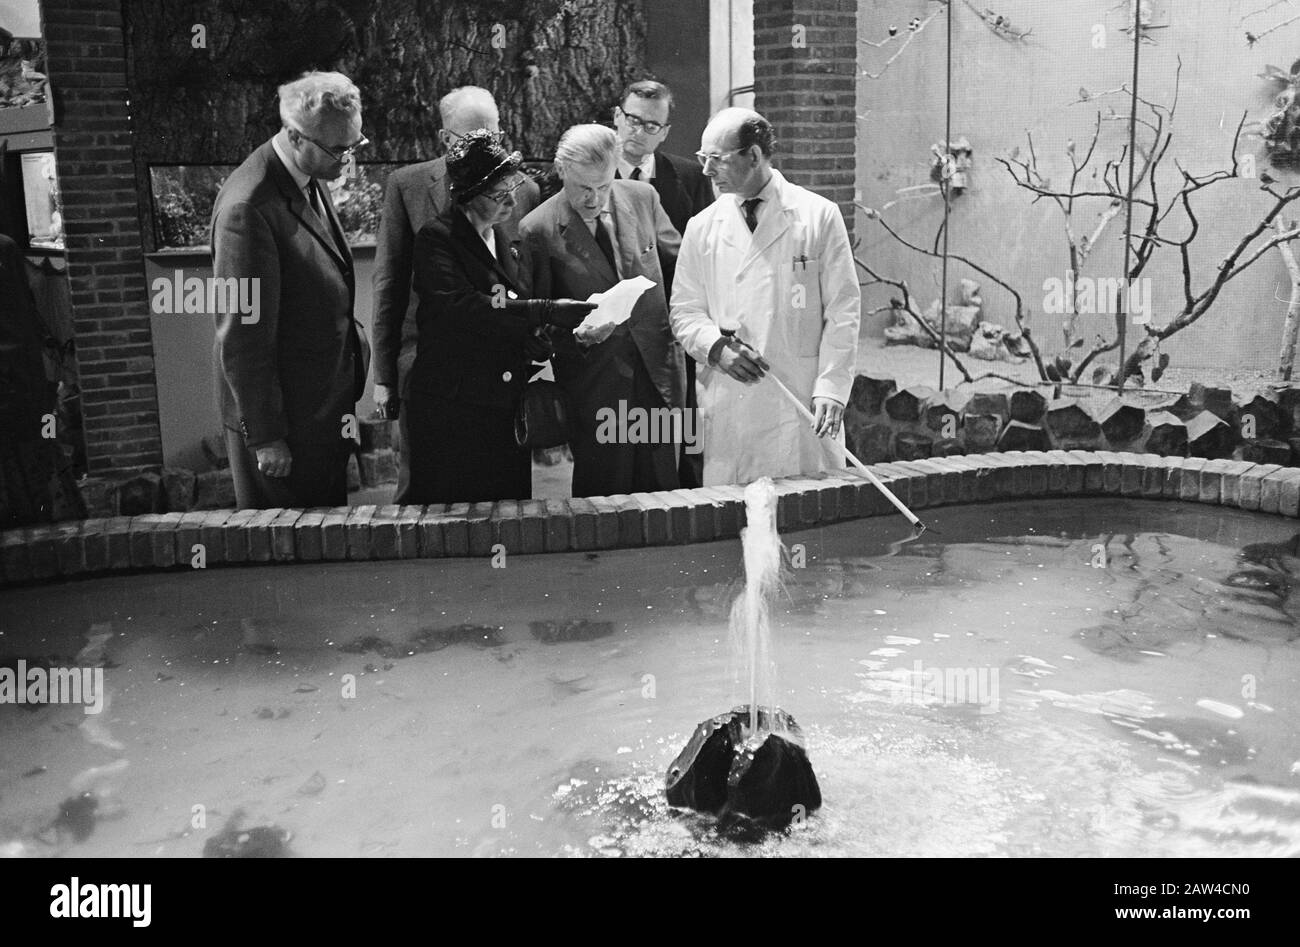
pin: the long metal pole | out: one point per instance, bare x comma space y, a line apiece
848, 454
1122, 327
949, 166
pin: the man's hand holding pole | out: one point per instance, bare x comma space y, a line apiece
739, 360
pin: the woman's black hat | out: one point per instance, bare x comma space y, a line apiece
477, 161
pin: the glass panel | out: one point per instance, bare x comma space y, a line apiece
41, 196
183, 196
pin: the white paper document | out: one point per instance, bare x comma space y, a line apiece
614, 306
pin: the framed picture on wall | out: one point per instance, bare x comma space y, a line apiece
41, 201
24, 88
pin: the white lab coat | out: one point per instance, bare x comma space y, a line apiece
728, 278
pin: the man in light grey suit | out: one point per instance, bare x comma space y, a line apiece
594, 233
415, 196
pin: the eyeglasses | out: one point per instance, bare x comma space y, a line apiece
650, 128
501, 195
340, 155
705, 157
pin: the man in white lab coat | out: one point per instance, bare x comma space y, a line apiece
765, 269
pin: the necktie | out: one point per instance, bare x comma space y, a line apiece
317, 205
606, 245
636, 174
751, 215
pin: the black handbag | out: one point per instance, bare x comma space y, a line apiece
542, 419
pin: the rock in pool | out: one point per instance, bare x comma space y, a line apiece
260, 841
763, 780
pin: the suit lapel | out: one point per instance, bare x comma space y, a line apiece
438, 195
580, 243
335, 225
731, 223
464, 231
666, 183
299, 207
623, 215
506, 248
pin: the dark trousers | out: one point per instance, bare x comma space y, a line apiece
403, 492
601, 470
405, 360
318, 476
464, 453
27, 467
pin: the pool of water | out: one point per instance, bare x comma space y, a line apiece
1097, 678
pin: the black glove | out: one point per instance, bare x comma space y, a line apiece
568, 313
538, 347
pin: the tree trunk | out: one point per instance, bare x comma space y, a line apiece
550, 64
1292, 324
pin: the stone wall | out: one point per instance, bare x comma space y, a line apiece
884, 423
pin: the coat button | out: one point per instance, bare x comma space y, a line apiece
506, 376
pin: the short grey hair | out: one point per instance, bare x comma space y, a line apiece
466, 98
306, 99
587, 145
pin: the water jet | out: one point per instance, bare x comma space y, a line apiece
749, 766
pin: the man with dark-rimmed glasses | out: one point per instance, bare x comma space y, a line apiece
642, 122
288, 379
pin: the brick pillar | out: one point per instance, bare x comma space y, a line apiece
809, 92
110, 304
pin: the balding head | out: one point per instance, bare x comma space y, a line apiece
743, 141
743, 128
467, 109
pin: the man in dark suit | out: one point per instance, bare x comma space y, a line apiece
594, 233
416, 195
287, 379
642, 123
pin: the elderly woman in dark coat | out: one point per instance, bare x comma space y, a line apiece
479, 335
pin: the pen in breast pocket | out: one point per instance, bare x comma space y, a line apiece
801, 261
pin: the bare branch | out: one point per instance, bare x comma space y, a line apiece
1263, 9
1230, 268
1291, 327
909, 308
1065, 195
1253, 38
998, 23
907, 39
1020, 305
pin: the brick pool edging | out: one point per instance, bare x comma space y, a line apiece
241, 537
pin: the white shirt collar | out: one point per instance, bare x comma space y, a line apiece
604, 216
299, 178
647, 166
768, 193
